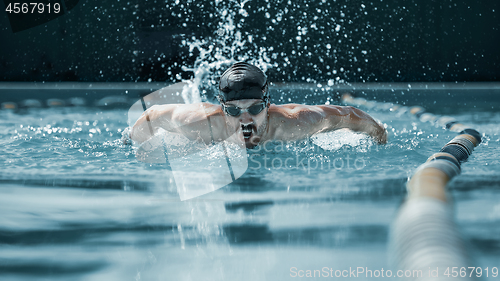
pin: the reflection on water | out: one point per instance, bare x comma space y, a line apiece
76, 204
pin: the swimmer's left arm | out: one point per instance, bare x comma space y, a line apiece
338, 117
298, 121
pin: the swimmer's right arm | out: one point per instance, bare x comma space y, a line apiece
189, 120
157, 116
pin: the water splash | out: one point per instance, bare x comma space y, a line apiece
215, 53
335, 140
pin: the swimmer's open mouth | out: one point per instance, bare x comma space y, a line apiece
247, 130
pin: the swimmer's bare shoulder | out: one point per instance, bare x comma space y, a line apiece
189, 120
296, 121
293, 121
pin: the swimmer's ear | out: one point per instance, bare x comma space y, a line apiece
267, 100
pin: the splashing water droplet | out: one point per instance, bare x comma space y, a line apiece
243, 12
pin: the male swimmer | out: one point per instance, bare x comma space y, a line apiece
245, 114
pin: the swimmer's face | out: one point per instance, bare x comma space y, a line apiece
248, 118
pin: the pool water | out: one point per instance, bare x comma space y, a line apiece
75, 203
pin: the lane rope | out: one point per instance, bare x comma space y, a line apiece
424, 236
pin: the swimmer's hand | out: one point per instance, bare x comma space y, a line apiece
125, 139
381, 138
376, 130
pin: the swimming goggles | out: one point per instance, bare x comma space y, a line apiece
236, 111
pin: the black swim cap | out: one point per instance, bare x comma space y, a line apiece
243, 81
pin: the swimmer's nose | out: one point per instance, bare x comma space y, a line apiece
246, 118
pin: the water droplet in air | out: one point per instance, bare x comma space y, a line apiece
243, 12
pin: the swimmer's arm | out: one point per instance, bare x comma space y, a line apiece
338, 117
189, 120
296, 121
157, 116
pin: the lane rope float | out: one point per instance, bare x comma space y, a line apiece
424, 236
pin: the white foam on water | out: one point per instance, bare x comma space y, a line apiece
335, 140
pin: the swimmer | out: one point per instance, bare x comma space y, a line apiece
245, 114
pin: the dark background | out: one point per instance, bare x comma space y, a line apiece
377, 41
